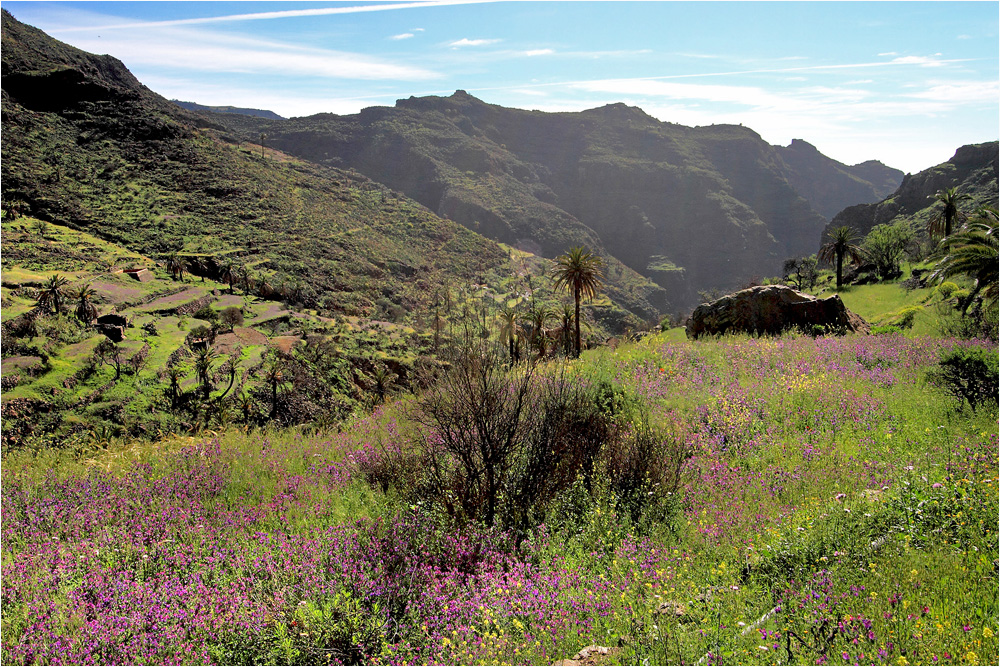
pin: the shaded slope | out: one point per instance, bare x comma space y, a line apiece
829, 185
690, 208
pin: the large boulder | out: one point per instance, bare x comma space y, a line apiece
771, 309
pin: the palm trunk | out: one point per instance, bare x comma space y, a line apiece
576, 297
840, 269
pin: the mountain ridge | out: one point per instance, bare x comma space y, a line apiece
654, 195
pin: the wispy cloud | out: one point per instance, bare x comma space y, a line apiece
923, 61
405, 35
539, 52
465, 41
960, 92
283, 14
193, 50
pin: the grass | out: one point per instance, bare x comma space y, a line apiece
837, 509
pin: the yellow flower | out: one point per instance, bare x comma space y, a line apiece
987, 632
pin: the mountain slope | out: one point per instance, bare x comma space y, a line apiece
830, 185
973, 170
85, 144
690, 208
260, 113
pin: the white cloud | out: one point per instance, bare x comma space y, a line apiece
539, 52
405, 35
472, 42
960, 92
923, 61
197, 50
283, 14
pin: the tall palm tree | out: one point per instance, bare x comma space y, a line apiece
228, 273
972, 252
243, 275
274, 376
199, 266
511, 330
203, 367
942, 222
51, 294
85, 310
566, 328
174, 374
841, 245
579, 271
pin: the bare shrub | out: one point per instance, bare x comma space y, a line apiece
646, 465
475, 427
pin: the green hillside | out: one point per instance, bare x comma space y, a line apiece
971, 171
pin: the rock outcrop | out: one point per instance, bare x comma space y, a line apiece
771, 309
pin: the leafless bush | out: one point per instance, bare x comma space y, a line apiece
646, 465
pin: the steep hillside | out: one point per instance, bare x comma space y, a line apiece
973, 170
830, 185
86, 145
690, 208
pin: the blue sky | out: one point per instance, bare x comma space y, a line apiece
902, 82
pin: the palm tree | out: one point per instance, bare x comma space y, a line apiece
382, 379
199, 266
841, 245
228, 273
566, 328
85, 310
51, 293
538, 317
942, 222
244, 276
579, 271
511, 330
972, 252
174, 373
176, 265
274, 376
203, 367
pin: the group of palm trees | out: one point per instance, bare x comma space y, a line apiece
969, 251
578, 271
233, 274
50, 298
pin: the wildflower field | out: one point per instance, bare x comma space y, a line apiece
834, 507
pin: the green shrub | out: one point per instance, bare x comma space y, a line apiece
886, 329
206, 313
968, 374
904, 318
946, 289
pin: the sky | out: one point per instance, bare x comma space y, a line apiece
906, 83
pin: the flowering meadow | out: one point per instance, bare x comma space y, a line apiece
835, 508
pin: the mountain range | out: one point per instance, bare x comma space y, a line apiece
385, 203
689, 207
